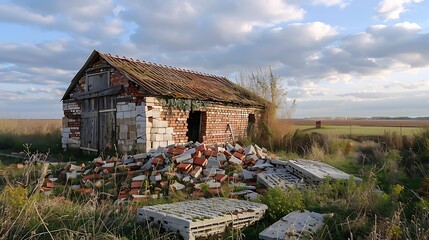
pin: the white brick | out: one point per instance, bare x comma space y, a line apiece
169, 130
149, 113
168, 137
161, 130
163, 144
140, 109
141, 119
155, 144
123, 135
149, 100
156, 113
127, 114
123, 128
156, 137
119, 115
159, 123
133, 114
131, 106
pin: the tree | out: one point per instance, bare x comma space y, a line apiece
266, 85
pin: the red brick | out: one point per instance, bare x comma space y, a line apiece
200, 161
221, 177
91, 177
136, 184
239, 155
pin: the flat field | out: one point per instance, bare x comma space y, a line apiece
362, 127
29, 126
43, 134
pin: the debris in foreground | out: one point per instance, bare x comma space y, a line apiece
201, 218
315, 172
295, 225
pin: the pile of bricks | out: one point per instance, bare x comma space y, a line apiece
198, 169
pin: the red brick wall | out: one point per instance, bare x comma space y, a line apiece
214, 129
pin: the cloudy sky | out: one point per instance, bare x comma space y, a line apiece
336, 57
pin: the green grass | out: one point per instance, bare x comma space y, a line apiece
360, 130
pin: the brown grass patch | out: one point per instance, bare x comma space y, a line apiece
29, 126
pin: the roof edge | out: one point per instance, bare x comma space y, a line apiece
79, 74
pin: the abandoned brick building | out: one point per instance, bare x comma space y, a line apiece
136, 105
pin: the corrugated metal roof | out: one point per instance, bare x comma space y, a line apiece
161, 80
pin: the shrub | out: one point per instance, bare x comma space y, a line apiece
281, 202
14, 196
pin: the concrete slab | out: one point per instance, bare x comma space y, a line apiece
202, 218
294, 226
316, 172
279, 177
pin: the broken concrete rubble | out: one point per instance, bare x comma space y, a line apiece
202, 218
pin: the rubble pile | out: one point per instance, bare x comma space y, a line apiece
196, 168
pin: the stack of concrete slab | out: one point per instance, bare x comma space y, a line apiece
295, 225
316, 172
280, 177
201, 218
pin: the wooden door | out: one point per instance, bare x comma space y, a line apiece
98, 129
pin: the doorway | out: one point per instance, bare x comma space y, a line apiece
195, 126
251, 120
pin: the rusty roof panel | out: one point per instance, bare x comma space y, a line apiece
161, 80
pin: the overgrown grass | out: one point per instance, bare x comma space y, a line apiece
44, 135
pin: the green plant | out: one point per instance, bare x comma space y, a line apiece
14, 196
281, 202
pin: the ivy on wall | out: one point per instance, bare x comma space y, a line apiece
182, 104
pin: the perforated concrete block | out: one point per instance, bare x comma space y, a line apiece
280, 178
202, 218
316, 172
294, 225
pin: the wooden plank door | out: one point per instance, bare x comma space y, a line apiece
98, 129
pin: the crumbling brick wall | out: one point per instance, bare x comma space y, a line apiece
214, 123
142, 122
71, 124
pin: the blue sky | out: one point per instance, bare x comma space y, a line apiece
335, 57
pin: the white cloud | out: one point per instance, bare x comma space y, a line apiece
194, 25
330, 3
392, 9
93, 19
21, 15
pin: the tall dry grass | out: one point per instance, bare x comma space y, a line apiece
29, 126
43, 134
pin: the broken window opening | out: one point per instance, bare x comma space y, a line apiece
196, 124
97, 81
